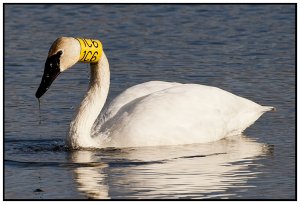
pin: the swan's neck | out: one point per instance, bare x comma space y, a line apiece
90, 107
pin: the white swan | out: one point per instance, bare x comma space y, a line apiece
149, 114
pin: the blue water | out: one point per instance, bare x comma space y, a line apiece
248, 50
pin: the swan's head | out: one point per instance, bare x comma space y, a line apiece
63, 54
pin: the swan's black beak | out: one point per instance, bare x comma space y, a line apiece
51, 71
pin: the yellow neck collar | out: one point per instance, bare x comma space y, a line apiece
90, 50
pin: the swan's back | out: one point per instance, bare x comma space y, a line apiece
180, 114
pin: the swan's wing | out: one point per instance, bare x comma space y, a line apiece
128, 96
182, 114
135, 92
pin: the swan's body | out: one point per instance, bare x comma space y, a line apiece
156, 113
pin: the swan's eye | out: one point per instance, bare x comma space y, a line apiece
59, 53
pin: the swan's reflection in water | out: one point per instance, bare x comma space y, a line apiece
188, 171
90, 178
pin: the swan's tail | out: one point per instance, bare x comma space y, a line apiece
268, 108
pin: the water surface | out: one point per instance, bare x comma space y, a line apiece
248, 50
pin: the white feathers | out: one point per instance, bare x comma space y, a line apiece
153, 113
177, 114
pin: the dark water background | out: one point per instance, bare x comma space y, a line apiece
248, 50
